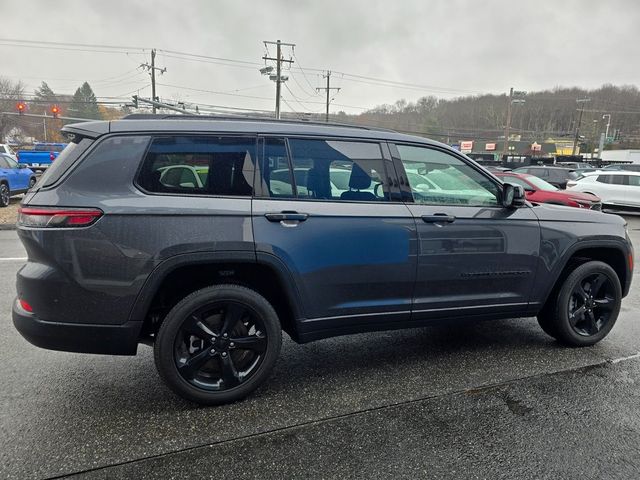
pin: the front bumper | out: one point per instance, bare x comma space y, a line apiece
77, 337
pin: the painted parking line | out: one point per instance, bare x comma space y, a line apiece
13, 259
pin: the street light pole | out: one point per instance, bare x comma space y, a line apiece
581, 101
608, 115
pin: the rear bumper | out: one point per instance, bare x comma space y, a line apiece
74, 337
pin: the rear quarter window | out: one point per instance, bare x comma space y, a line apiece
63, 163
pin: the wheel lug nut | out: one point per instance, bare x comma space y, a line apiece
231, 344
224, 354
225, 335
213, 351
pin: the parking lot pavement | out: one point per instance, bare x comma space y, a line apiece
486, 400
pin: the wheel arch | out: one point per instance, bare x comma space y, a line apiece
183, 274
614, 255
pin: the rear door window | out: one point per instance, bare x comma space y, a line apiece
199, 165
339, 170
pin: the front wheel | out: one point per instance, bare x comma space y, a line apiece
218, 344
587, 306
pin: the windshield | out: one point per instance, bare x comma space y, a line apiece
541, 184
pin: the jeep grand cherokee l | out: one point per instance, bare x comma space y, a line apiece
210, 272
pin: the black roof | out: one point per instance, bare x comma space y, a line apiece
202, 123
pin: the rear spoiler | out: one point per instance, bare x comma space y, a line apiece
75, 131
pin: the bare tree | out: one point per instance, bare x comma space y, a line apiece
10, 94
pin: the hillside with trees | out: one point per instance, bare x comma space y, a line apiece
543, 114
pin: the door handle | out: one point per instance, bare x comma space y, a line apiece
286, 216
438, 218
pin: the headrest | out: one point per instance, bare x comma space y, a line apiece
359, 180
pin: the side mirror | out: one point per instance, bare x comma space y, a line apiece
23, 165
512, 196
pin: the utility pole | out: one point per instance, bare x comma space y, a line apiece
278, 78
581, 101
152, 71
507, 126
328, 88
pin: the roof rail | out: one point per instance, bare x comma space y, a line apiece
151, 116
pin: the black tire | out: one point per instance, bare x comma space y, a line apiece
32, 182
218, 319
5, 195
585, 308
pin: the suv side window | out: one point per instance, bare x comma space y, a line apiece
274, 178
338, 170
439, 178
604, 179
633, 180
619, 179
3, 162
199, 165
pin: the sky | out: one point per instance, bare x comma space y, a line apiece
406, 49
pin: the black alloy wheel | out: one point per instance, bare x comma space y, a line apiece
5, 195
591, 303
218, 344
585, 307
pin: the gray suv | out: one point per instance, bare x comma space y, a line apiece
207, 237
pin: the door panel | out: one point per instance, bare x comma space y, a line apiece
329, 217
474, 255
346, 259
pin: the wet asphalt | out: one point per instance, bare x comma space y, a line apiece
489, 400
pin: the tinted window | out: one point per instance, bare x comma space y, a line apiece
604, 178
3, 163
275, 172
634, 180
439, 178
67, 158
619, 179
338, 170
199, 165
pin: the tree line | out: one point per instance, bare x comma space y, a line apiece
82, 104
543, 114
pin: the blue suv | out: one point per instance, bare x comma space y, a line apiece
206, 238
14, 179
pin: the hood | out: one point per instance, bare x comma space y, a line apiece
560, 213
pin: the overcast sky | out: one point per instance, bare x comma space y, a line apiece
447, 47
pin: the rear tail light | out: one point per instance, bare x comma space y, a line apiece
43, 217
52, 156
26, 306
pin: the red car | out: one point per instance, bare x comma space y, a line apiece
537, 190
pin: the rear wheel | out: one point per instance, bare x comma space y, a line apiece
5, 195
586, 307
32, 182
218, 344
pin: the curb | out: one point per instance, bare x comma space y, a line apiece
7, 226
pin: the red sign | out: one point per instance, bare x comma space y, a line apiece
466, 146
490, 146
536, 147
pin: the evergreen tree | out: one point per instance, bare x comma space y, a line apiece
45, 93
84, 103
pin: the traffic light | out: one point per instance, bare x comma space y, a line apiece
55, 111
21, 107
135, 101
